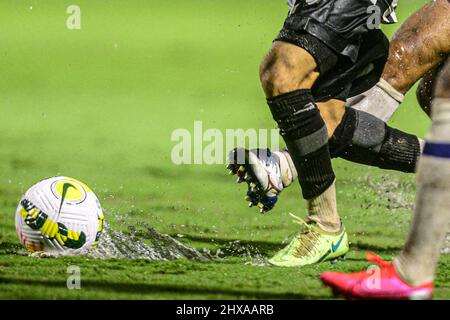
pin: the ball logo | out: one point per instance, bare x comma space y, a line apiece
69, 192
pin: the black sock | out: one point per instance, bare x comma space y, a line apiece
363, 138
305, 134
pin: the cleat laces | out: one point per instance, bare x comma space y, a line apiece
306, 239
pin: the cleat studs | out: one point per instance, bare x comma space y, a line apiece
250, 204
260, 205
252, 185
247, 198
230, 172
241, 169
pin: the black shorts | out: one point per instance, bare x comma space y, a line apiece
350, 55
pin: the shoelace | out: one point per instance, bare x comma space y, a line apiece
308, 238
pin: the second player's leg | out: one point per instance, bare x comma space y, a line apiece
412, 273
418, 260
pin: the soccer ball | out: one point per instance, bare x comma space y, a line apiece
59, 215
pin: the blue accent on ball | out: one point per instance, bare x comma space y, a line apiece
440, 150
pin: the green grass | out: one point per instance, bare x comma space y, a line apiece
100, 104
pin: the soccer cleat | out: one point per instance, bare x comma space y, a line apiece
382, 282
311, 245
260, 169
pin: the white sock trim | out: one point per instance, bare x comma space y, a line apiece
390, 90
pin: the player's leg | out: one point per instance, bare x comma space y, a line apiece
417, 262
411, 274
287, 74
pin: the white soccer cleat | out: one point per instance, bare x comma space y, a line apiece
266, 173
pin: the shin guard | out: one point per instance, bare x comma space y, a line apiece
305, 134
365, 139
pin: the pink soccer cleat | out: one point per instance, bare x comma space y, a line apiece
382, 282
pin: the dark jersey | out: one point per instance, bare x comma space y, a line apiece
345, 40
340, 24
388, 16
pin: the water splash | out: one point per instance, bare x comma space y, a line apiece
400, 197
136, 242
250, 253
143, 242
